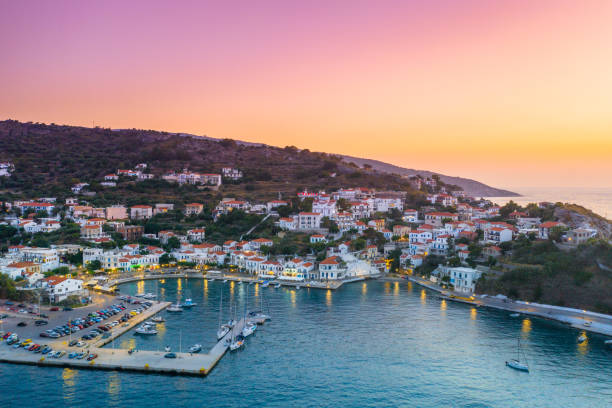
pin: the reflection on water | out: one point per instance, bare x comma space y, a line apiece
409, 286
423, 297
583, 346
473, 313
525, 328
328, 297
364, 288
387, 287
114, 384
443, 305
205, 289
69, 384
179, 286
396, 288
256, 290
293, 298
140, 285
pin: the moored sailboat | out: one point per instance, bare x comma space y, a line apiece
516, 363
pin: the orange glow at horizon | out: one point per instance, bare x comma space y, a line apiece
511, 93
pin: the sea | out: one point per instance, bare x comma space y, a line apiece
367, 344
598, 200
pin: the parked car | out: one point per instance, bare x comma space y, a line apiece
22, 324
41, 322
92, 357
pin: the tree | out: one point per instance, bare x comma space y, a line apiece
166, 259
510, 207
454, 261
173, 243
94, 265
283, 211
331, 225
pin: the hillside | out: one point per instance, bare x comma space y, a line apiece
472, 187
49, 159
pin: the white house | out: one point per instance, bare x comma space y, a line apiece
463, 279
60, 287
332, 268
309, 221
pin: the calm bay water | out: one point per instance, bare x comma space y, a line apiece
367, 344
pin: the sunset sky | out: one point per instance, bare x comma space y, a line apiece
512, 93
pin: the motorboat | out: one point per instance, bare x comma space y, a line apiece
248, 329
158, 319
146, 330
188, 303
222, 332
278, 285
588, 323
515, 315
265, 284
196, 348
167, 349
150, 296
175, 308
259, 315
582, 338
298, 287
224, 280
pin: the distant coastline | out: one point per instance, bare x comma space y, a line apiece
596, 199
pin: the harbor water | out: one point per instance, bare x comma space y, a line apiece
366, 344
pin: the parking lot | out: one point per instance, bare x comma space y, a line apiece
56, 318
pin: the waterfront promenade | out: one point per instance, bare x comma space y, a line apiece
110, 285
595, 322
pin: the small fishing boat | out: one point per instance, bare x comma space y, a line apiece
265, 284
582, 338
298, 287
588, 323
515, 315
211, 280
196, 348
167, 349
188, 303
158, 319
516, 363
224, 280
278, 285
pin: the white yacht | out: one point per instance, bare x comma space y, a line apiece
146, 329
248, 329
158, 319
223, 330
175, 308
196, 348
